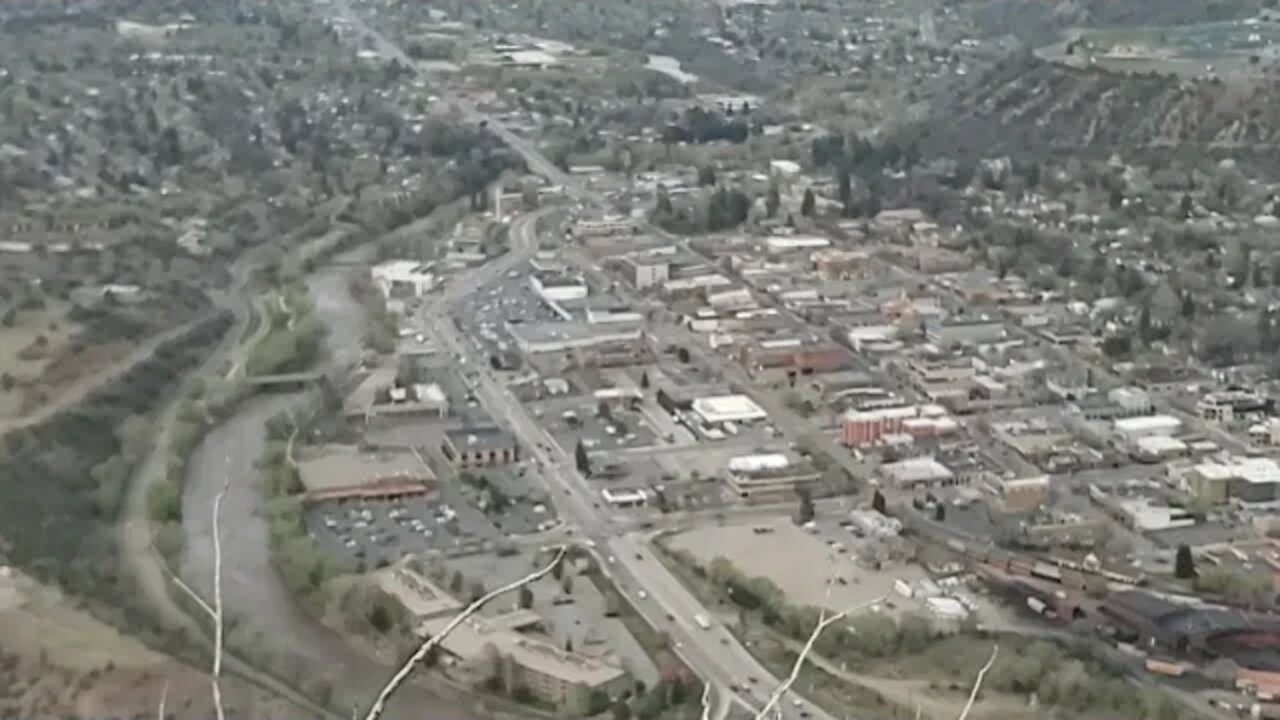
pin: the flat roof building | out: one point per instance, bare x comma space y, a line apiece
918, 473
480, 446
720, 409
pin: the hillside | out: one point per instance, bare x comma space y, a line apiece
1039, 22
1028, 107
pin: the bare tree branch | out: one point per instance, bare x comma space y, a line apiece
164, 696
375, 710
977, 683
823, 623
706, 700
216, 679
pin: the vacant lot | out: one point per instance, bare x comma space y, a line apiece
57, 661
796, 561
28, 344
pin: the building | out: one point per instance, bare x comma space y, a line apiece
403, 278
861, 428
1141, 513
918, 473
624, 498
548, 337
874, 524
1247, 480
953, 331
1131, 400
1023, 494
795, 356
1226, 406
606, 226
557, 288
1132, 428
721, 409
940, 379
646, 271
480, 447
768, 477
778, 244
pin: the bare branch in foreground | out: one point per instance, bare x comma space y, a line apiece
164, 696
977, 683
216, 674
706, 700
823, 623
375, 710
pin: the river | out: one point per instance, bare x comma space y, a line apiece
253, 592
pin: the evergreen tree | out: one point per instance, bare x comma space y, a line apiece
877, 503
581, 458
808, 203
1184, 565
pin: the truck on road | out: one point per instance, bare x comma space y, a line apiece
702, 621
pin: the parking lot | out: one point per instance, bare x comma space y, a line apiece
522, 506
483, 316
800, 562
370, 533
571, 421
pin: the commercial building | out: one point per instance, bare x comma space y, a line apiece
794, 355
620, 498
1141, 513
874, 524
777, 244
645, 271
606, 226
337, 472
941, 379
861, 428
1226, 406
1023, 494
1131, 401
403, 278
556, 288
564, 679
950, 332
721, 409
548, 337
1247, 480
480, 447
1133, 428
768, 477
919, 473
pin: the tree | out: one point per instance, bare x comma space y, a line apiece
456, 582
808, 203
526, 597
1184, 565
566, 584
663, 206
805, 512
581, 459
877, 503
940, 512
706, 176
772, 201
1186, 206
644, 380
846, 192
477, 590
682, 354
621, 711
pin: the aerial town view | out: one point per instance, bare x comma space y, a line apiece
653, 359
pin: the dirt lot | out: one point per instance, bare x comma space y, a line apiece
56, 661
797, 561
24, 357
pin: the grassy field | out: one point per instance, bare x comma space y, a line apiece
24, 357
57, 661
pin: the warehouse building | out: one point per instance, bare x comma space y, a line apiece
549, 337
